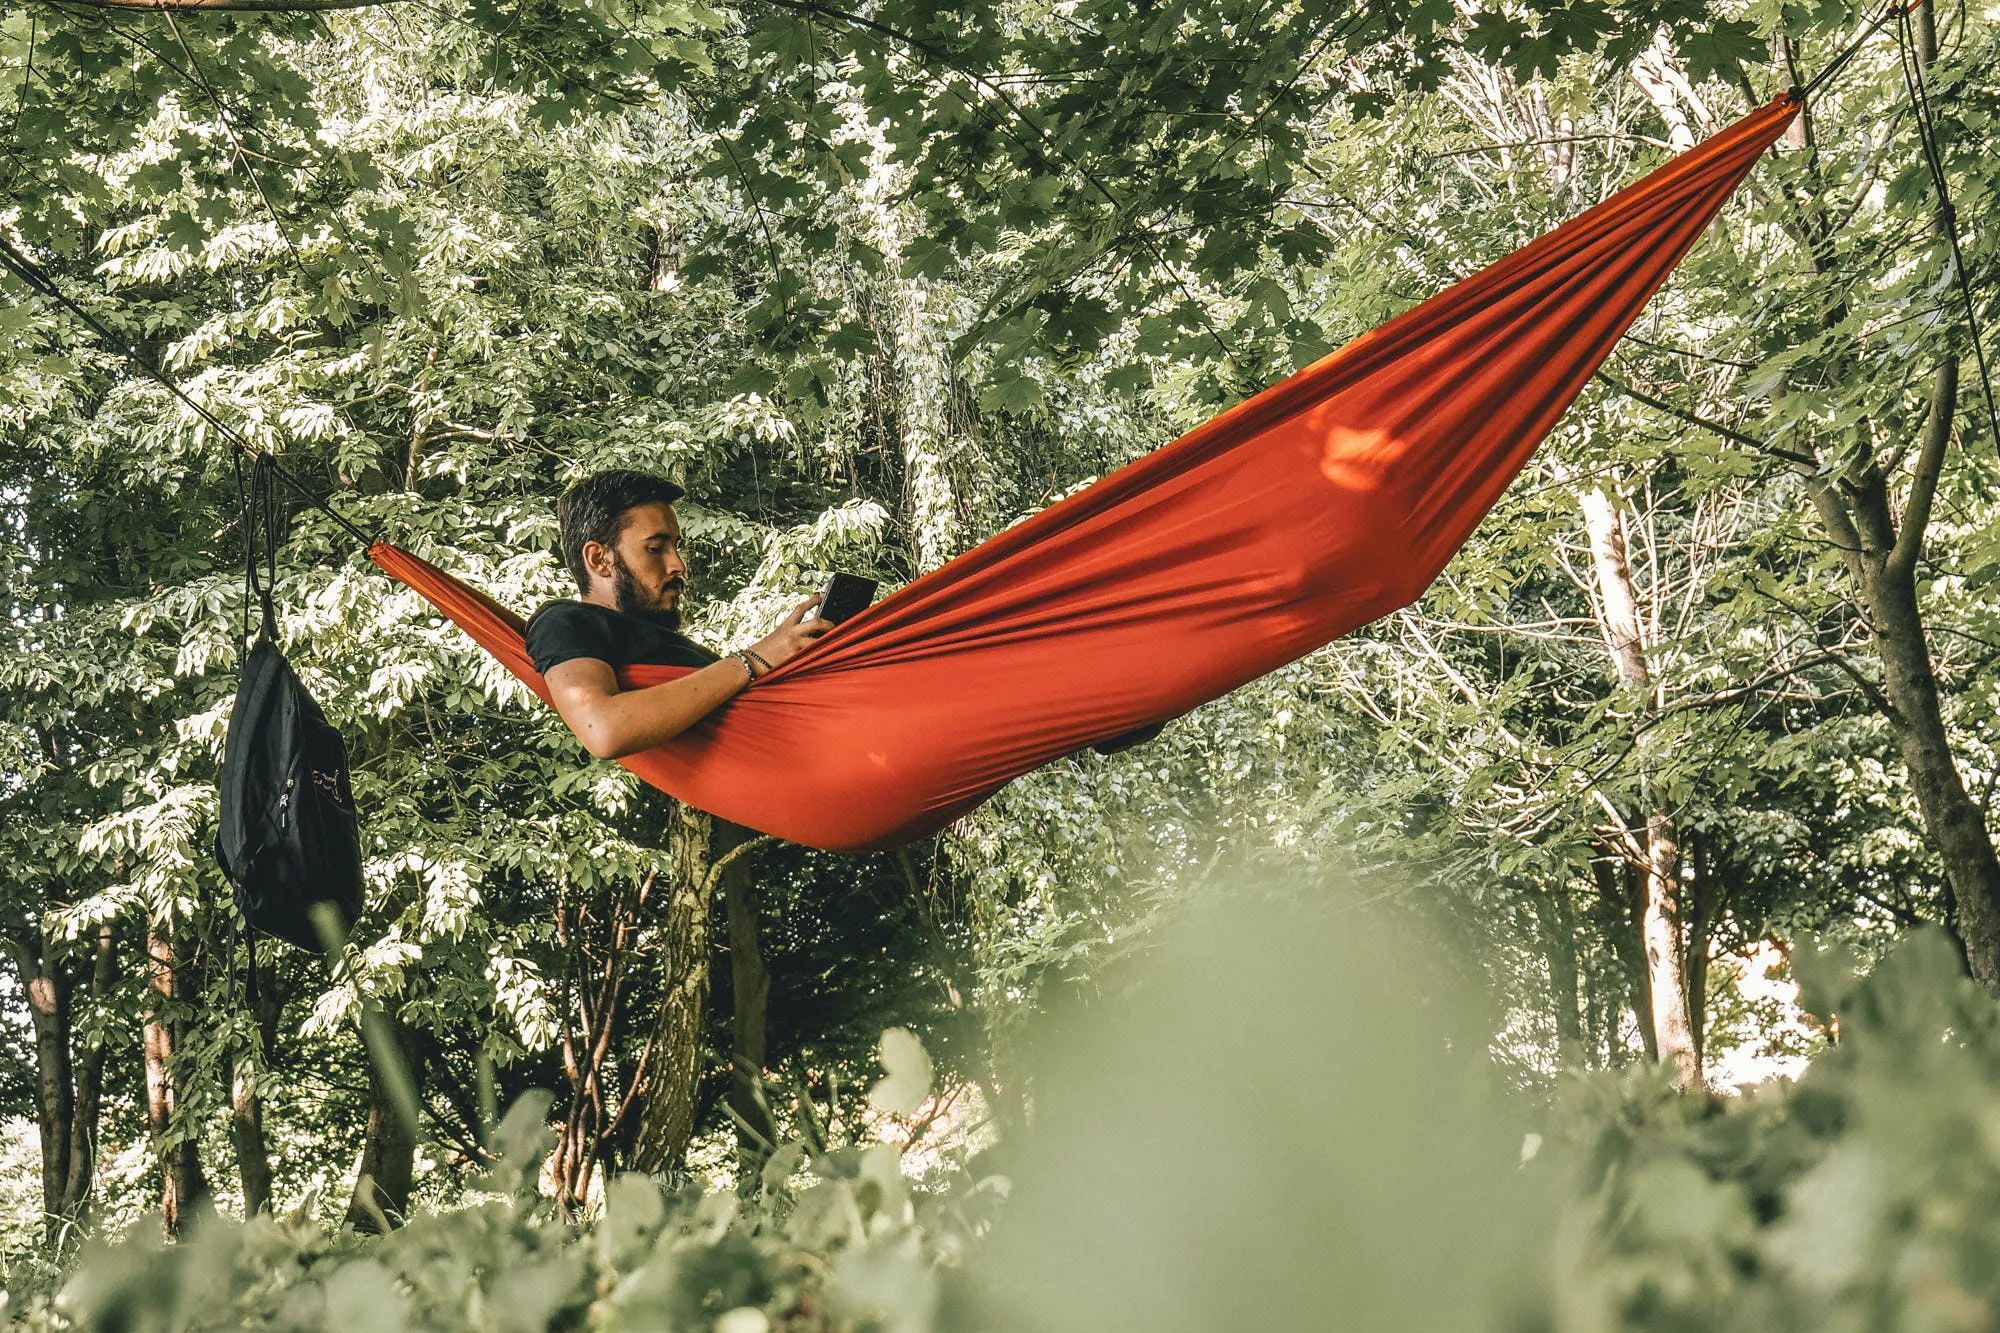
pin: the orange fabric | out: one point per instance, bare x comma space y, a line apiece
1317, 506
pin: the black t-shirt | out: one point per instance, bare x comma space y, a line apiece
564, 630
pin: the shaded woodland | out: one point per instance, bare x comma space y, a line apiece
1713, 682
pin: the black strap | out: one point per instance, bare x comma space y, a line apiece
258, 499
264, 493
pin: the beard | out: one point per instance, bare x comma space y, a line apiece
634, 601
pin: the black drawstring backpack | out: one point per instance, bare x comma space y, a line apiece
288, 839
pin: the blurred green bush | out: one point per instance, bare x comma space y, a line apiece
1276, 1120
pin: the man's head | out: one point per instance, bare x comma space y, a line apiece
621, 540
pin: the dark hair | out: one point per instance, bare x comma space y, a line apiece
594, 510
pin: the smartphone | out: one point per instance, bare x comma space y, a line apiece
846, 595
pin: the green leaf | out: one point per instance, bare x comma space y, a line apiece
907, 1084
1721, 51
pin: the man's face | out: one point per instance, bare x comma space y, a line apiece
647, 572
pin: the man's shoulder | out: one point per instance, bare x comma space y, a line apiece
566, 611
562, 630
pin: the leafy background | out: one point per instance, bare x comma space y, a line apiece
876, 283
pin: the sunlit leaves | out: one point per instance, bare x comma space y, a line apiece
907, 1080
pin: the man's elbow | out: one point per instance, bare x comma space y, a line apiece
601, 740
624, 749
619, 742
601, 748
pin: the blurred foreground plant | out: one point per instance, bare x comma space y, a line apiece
1278, 1119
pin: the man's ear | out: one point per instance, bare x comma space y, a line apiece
597, 560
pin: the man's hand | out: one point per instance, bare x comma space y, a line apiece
790, 639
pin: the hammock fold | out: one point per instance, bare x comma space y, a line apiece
1323, 503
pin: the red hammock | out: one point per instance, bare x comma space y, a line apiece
1321, 504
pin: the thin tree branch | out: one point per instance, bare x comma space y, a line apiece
1734, 693
1924, 476
1633, 851
1839, 524
1477, 149
1869, 688
1902, 915
1715, 427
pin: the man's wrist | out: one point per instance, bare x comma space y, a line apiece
749, 661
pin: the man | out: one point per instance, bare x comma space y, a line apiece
621, 540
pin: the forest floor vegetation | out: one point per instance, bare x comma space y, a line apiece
1317, 1137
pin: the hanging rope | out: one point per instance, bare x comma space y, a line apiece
1918, 87
1853, 48
258, 500
38, 280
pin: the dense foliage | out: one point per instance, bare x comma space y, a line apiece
1371, 1169
873, 283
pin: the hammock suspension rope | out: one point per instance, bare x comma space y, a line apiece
37, 278
1918, 86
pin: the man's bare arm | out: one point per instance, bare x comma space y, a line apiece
613, 723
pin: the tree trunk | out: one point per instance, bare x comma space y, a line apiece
89, 1072
750, 992
1558, 922
1708, 895
1881, 556
246, 1128
1956, 825
1633, 879
183, 1187
1619, 917
381, 1195
47, 993
672, 1058
1619, 897
1666, 953
601, 937
1660, 856
1881, 553
246, 1103
69, 1085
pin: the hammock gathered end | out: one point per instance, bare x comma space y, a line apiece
1323, 503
